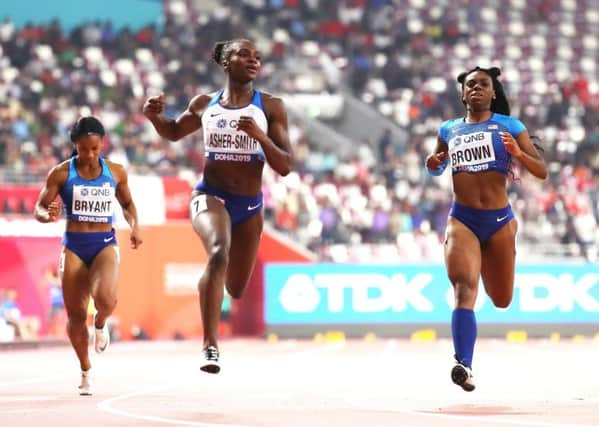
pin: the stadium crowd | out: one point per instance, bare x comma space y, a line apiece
378, 203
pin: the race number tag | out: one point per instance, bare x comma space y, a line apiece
198, 204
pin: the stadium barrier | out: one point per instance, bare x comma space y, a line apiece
158, 281
401, 300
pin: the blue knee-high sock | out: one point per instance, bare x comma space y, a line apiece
463, 330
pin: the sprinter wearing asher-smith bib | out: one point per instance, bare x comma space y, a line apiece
89, 187
223, 140
243, 129
481, 228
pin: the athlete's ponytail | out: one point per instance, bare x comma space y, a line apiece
217, 52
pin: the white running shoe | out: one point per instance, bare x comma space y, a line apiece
85, 388
462, 376
101, 337
211, 364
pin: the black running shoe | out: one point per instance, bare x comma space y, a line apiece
211, 363
462, 376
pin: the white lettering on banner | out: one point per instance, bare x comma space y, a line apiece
561, 292
301, 294
182, 278
376, 293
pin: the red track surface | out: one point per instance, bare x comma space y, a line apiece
300, 383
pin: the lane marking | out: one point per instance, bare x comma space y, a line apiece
106, 406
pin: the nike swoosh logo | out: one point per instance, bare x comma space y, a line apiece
251, 208
108, 239
499, 219
214, 115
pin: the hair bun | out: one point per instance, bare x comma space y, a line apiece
494, 71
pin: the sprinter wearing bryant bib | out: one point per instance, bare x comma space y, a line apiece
481, 229
243, 128
89, 187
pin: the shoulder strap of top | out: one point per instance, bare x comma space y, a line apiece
215, 98
257, 100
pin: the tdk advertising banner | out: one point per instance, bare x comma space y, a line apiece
359, 294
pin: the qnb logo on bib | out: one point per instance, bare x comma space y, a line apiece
93, 201
472, 152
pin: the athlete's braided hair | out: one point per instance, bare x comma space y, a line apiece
223, 49
499, 103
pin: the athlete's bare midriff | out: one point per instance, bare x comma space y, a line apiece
482, 190
87, 227
243, 179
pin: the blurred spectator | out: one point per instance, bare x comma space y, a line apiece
399, 59
57, 315
25, 327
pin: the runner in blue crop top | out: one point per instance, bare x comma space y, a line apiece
243, 128
481, 229
89, 187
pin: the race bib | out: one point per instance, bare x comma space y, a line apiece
197, 205
91, 201
472, 152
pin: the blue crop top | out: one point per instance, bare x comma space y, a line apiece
477, 147
89, 200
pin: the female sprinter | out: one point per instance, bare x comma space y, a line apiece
243, 128
481, 230
89, 265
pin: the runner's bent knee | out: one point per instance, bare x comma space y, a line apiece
218, 257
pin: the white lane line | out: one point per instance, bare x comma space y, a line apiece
106, 405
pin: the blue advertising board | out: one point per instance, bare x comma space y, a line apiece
377, 294
71, 13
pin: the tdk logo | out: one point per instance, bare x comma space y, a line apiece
393, 293
363, 293
541, 292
